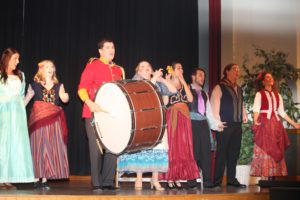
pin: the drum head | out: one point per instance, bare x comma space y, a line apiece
113, 128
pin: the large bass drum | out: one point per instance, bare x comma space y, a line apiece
135, 119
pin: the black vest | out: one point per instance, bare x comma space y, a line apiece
231, 104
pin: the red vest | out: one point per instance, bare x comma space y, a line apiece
265, 104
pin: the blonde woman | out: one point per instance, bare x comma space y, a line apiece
47, 126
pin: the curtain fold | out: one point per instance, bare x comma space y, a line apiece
214, 42
214, 51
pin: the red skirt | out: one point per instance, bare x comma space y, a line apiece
271, 141
182, 165
48, 135
264, 165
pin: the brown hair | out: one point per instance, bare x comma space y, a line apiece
259, 82
196, 69
5, 58
103, 41
227, 68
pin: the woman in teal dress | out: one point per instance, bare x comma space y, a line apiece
15, 156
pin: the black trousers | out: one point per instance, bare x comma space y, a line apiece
103, 167
202, 148
228, 151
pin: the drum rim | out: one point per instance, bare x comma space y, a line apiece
95, 128
163, 113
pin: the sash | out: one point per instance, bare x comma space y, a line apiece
45, 114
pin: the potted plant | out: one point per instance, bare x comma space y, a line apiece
274, 62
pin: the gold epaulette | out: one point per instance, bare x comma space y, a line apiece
92, 59
123, 71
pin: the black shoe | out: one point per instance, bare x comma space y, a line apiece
209, 185
97, 189
271, 178
236, 184
192, 187
45, 186
37, 185
215, 185
192, 184
109, 187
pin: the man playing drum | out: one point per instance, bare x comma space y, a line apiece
96, 72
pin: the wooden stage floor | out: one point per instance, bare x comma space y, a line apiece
81, 190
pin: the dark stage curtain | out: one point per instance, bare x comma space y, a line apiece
160, 31
214, 42
11, 24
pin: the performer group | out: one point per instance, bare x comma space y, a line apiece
34, 150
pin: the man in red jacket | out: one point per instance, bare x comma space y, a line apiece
96, 72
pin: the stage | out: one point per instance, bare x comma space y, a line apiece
79, 189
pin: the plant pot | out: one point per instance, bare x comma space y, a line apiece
243, 174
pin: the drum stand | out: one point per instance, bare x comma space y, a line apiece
99, 146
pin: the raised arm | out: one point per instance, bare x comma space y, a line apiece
186, 88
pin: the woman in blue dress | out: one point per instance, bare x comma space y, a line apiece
15, 155
153, 160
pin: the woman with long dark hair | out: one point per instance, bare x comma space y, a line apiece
15, 155
270, 137
182, 165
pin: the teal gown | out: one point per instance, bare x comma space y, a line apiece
15, 156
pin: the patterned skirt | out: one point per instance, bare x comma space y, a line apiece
264, 165
49, 152
153, 160
271, 140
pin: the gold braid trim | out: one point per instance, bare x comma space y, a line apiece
92, 59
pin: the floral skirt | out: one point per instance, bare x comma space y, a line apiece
271, 141
264, 165
153, 160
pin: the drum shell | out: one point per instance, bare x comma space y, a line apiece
147, 116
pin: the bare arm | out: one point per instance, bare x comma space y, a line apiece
165, 99
62, 94
292, 122
29, 95
156, 76
186, 88
283, 114
169, 85
255, 118
245, 114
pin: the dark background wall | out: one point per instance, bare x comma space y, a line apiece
67, 31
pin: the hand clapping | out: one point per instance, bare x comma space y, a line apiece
62, 94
